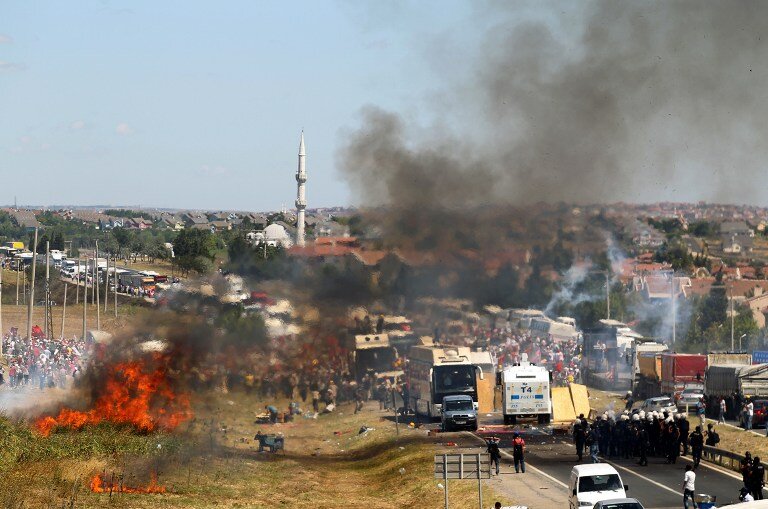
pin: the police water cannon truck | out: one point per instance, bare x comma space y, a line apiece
526, 390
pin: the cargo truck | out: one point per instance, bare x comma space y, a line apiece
735, 382
681, 371
525, 390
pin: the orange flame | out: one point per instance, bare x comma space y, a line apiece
132, 394
99, 485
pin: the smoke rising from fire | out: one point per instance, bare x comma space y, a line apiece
624, 101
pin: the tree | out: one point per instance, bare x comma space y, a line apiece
194, 250
713, 308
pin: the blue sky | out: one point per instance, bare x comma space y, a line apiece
200, 104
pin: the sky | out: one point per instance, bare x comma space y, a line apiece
191, 104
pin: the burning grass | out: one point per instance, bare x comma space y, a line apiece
134, 394
216, 462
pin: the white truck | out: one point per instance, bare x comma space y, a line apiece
525, 389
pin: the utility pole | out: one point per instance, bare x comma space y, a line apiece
48, 310
731, 292
18, 273
106, 287
31, 303
673, 298
607, 295
64, 311
96, 283
85, 299
115, 281
77, 284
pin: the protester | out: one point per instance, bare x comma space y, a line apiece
756, 479
697, 446
493, 450
518, 452
689, 486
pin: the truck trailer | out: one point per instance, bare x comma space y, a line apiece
525, 390
681, 371
735, 382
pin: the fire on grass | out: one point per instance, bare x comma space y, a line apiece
135, 393
99, 484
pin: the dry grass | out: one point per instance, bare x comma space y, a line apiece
739, 441
326, 464
16, 316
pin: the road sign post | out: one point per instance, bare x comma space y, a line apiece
463, 466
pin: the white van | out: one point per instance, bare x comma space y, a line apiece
593, 483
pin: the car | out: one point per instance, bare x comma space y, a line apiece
659, 404
619, 503
590, 484
760, 414
458, 413
689, 398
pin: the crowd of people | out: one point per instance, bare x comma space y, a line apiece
40, 362
562, 358
641, 435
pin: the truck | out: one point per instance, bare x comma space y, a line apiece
734, 382
647, 382
373, 354
681, 371
646, 364
435, 372
525, 390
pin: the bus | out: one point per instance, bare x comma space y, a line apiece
438, 371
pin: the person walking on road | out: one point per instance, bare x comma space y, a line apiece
493, 450
579, 437
697, 446
689, 486
721, 415
591, 440
750, 413
756, 479
518, 452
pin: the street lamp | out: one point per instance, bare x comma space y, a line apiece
740, 338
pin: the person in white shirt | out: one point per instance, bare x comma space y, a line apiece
750, 414
689, 486
721, 417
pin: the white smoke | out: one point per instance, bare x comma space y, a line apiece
567, 293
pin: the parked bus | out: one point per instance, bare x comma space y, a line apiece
435, 372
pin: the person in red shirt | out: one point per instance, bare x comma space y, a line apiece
518, 452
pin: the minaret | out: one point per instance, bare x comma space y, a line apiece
301, 198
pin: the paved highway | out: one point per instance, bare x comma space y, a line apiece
657, 486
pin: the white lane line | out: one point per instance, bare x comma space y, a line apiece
527, 465
645, 478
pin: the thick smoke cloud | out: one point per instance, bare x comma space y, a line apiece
632, 101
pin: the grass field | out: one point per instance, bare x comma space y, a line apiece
16, 316
215, 462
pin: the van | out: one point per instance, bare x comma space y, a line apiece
458, 413
594, 483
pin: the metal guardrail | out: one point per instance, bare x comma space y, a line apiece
727, 459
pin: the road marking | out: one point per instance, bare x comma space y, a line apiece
643, 477
527, 465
